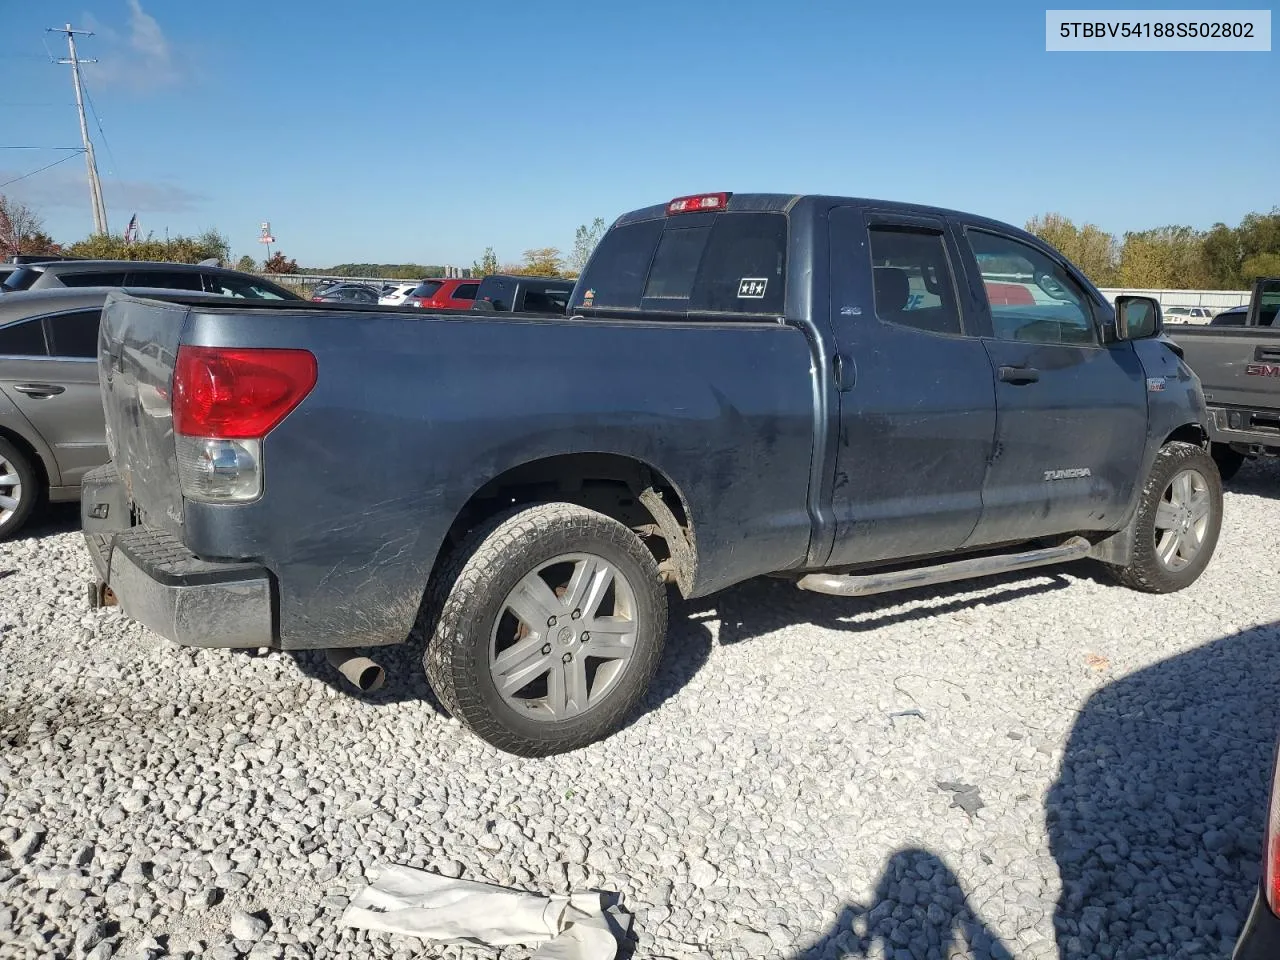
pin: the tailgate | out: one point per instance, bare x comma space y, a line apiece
1237, 366
137, 347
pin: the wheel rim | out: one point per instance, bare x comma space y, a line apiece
1182, 519
10, 489
564, 637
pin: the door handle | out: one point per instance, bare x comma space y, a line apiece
39, 391
1019, 375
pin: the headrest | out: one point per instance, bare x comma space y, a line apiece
892, 289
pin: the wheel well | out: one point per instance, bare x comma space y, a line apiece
1189, 433
626, 489
26, 448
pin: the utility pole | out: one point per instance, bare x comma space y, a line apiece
95, 186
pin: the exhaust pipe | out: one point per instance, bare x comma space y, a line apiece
361, 672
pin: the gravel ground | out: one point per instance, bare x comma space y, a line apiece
1037, 766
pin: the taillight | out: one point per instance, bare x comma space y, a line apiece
224, 402
697, 202
1271, 849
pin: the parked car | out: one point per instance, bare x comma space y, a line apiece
1189, 314
515, 293
51, 424
142, 273
394, 295
1237, 358
744, 385
443, 293
1260, 937
347, 293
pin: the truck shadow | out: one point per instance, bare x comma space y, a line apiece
920, 910
1259, 478
1156, 817
51, 520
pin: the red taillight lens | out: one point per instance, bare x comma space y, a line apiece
697, 202
238, 394
1271, 849
317, 299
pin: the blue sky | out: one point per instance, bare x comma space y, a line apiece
399, 131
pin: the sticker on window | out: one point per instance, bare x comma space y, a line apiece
752, 288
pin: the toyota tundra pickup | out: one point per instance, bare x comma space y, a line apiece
819, 388
1239, 367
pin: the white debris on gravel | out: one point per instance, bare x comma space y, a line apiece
778, 798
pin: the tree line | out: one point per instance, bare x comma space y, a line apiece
1220, 258
1180, 257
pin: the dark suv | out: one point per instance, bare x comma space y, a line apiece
198, 278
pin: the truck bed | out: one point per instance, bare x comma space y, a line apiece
413, 411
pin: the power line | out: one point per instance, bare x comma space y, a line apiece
115, 167
41, 169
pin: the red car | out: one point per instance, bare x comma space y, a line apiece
443, 294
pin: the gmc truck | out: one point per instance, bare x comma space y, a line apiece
1237, 358
817, 388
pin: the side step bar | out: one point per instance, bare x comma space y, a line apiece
863, 585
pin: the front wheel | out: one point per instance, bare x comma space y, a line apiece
1178, 521
545, 629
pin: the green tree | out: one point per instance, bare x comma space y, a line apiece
247, 264
584, 242
543, 262
279, 264
1259, 265
1089, 247
180, 249
486, 265
1221, 257
1171, 256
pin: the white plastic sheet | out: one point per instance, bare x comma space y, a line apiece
580, 926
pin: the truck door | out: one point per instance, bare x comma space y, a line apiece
1071, 410
917, 404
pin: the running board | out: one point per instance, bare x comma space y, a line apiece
862, 585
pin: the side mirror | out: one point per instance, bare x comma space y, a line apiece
1137, 318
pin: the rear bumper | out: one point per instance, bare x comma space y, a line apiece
1260, 938
161, 584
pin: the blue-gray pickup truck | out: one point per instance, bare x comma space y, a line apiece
858, 395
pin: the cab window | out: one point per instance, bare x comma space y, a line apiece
1032, 297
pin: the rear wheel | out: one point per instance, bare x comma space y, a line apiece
1229, 461
18, 489
546, 629
1178, 521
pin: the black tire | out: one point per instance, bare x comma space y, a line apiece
30, 493
1146, 571
1229, 461
469, 597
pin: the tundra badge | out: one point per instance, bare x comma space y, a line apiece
1073, 474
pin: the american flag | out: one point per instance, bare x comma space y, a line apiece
131, 231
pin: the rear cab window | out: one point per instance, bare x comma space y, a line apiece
730, 262
426, 290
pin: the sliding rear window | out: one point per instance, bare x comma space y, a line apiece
721, 263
